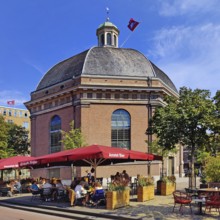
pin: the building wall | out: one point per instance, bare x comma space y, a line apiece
41, 126
17, 116
96, 124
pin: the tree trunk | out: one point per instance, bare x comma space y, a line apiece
192, 175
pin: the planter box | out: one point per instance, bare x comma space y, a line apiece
145, 193
117, 199
167, 188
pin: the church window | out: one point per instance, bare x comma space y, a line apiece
121, 126
99, 95
115, 41
134, 96
55, 134
108, 95
143, 96
109, 39
117, 96
125, 96
89, 95
102, 40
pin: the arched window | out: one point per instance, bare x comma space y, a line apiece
121, 125
109, 39
102, 40
115, 41
55, 134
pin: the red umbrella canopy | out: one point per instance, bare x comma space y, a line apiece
13, 162
105, 152
49, 158
93, 155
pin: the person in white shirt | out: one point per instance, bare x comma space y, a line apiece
81, 193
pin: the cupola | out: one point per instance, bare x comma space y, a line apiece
107, 34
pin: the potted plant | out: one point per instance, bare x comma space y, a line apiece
118, 194
168, 185
145, 189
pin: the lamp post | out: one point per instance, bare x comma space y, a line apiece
149, 130
148, 167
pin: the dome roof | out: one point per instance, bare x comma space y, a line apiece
104, 61
107, 24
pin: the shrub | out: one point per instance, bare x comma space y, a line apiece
169, 179
212, 169
119, 185
145, 181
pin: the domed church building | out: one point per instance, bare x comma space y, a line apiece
110, 93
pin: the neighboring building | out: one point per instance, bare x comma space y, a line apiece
16, 116
110, 93
19, 117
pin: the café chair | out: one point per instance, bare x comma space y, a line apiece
193, 193
98, 198
213, 202
61, 195
182, 199
5, 191
46, 194
35, 194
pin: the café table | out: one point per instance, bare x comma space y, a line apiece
209, 191
200, 203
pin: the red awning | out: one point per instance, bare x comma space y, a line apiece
13, 162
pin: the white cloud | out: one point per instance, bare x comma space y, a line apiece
176, 8
7, 95
189, 55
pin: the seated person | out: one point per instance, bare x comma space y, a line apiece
9, 189
58, 190
17, 186
117, 176
81, 193
47, 190
34, 188
47, 184
71, 194
98, 193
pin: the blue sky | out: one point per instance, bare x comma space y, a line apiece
182, 37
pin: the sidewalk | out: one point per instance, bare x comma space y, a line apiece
160, 208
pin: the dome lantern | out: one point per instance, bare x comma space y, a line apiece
107, 34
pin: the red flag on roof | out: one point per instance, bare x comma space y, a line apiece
132, 24
12, 102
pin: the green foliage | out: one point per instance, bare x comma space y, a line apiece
18, 139
5, 151
156, 148
120, 184
185, 121
212, 169
169, 179
146, 181
73, 138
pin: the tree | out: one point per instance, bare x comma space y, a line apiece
18, 139
73, 138
186, 121
212, 169
5, 151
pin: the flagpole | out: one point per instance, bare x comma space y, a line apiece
126, 39
132, 26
